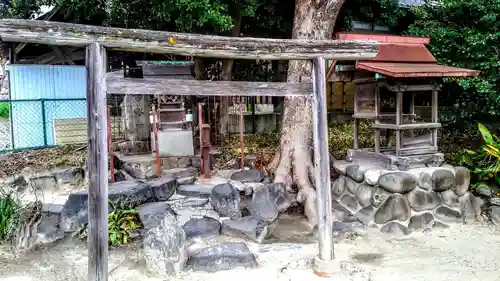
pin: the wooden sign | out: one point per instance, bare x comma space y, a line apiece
365, 98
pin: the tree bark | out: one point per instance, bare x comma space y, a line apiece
293, 165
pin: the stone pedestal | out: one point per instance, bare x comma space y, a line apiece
398, 202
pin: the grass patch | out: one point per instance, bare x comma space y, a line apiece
4, 109
10, 208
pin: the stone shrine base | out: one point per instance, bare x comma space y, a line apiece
399, 202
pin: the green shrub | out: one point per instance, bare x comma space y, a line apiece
451, 142
10, 208
341, 137
484, 162
121, 223
4, 109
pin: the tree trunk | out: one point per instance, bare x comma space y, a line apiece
293, 164
226, 75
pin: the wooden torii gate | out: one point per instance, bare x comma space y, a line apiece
97, 39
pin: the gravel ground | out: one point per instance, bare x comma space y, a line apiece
4, 134
462, 253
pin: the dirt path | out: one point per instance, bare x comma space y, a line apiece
463, 253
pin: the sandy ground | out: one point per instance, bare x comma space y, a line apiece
464, 252
4, 133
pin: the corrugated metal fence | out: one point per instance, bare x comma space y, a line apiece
40, 95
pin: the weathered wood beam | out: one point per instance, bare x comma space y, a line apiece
410, 88
137, 40
46, 16
52, 57
404, 127
61, 54
161, 86
322, 168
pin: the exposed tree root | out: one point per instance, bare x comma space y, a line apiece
293, 165
294, 168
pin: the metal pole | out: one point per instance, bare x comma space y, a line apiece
157, 146
322, 170
110, 148
44, 123
97, 163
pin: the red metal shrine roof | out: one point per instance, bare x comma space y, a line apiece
404, 56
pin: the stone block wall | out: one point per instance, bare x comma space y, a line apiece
399, 202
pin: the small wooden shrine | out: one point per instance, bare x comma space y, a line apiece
398, 92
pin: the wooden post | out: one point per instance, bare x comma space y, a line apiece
242, 140
399, 117
412, 112
97, 163
322, 170
435, 117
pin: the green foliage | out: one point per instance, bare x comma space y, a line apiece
382, 12
4, 110
465, 34
173, 15
122, 221
10, 208
484, 163
21, 9
121, 224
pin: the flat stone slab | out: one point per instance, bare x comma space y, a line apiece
48, 231
205, 227
196, 190
248, 176
181, 172
151, 214
74, 213
51, 209
249, 227
188, 202
163, 188
222, 257
73, 175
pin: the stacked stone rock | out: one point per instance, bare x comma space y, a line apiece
401, 201
249, 216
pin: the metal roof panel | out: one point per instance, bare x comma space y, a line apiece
407, 70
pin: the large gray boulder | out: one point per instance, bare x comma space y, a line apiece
398, 182
226, 200
263, 205
396, 207
164, 248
